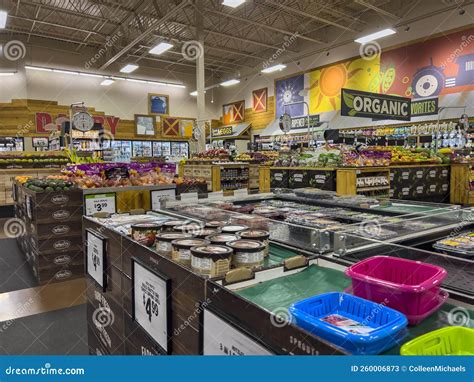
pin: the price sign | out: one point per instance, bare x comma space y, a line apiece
151, 309
158, 195
96, 247
217, 195
241, 193
222, 338
100, 203
189, 197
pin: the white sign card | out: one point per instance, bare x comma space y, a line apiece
189, 197
150, 303
96, 250
221, 338
241, 193
100, 203
216, 195
158, 195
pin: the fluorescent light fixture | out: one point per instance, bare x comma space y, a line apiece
129, 68
118, 78
233, 3
5, 74
194, 93
107, 82
157, 83
65, 72
38, 68
274, 68
375, 36
134, 80
230, 82
3, 19
176, 86
91, 75
160, 48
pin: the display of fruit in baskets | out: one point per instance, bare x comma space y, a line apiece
48, 185
211, 154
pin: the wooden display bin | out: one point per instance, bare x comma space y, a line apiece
461, 177
364, 180
52, 235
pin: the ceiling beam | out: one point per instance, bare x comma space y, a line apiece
308, 15
146, 33
264, 26
377, 9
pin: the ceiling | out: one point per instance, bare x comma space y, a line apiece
235, 40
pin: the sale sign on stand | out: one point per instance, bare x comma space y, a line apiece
100, 203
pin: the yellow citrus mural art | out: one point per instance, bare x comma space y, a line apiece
325, 84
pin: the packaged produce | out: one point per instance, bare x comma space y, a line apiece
247, 253
211, 260
181, 249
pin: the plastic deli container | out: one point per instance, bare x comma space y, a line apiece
215, 224
205, 232
233, 229
211, 260
452, 340
408, 286
145, 233
257, 235
191, 228
222, 238
247, 253
181, 249
164, 239
354, 324
171, 224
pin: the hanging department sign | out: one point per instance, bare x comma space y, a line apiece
222, 131
426, 106
356, 103
302, 122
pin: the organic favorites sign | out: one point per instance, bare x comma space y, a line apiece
356, 103
46, 123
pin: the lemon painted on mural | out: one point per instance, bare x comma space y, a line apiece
325, 84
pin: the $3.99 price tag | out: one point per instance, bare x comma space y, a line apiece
150, 304
100, 203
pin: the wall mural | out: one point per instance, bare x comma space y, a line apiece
233, 112
430, 68
289, 90
325, 84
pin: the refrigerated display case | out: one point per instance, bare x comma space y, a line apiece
141, 148
11, 144
122, 151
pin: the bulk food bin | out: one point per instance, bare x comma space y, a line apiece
130, 272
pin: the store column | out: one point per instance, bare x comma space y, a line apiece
200, 79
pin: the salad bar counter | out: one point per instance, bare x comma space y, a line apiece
203, 278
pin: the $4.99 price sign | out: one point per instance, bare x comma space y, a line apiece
150, 305
100, 203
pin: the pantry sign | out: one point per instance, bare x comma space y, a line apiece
356, 103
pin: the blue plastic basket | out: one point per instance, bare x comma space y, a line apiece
352, 323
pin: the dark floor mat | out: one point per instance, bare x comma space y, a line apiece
15, 273
61, 332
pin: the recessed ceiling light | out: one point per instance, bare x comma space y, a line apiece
274, 68
5, 74
107, 82
375, 36
129, 68
230, 82
3, 19
233, 3
160, 48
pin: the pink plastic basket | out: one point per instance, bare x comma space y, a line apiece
411, 287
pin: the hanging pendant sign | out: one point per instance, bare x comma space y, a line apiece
425, 106
356, 103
